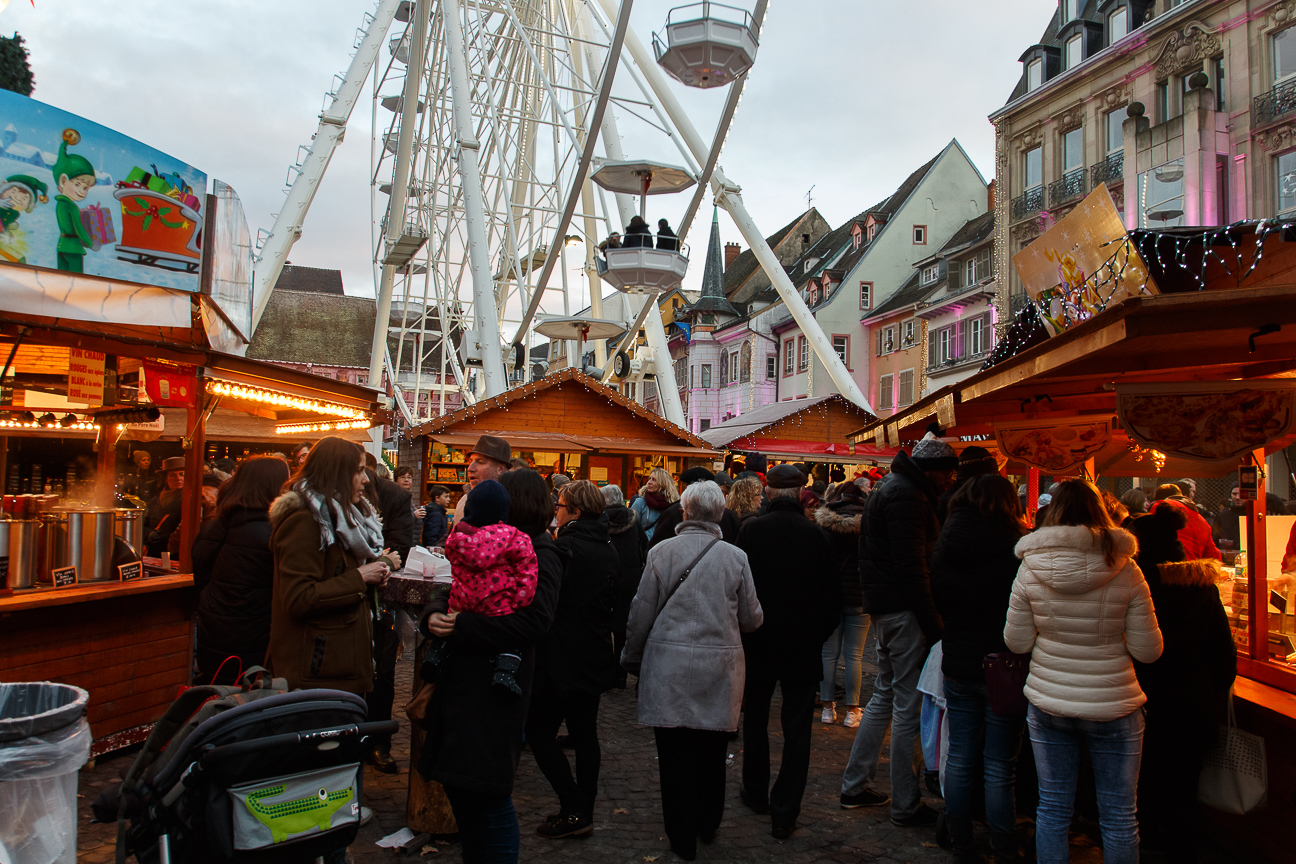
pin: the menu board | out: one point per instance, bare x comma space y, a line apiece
1053, 447
86, 377
1210, 421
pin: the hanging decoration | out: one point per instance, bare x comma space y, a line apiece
1053, 447
1157, 458
1209, 421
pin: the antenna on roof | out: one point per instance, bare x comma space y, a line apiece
809, 199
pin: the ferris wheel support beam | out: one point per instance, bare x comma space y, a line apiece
729, 196
332, 126
582, 171
474, 198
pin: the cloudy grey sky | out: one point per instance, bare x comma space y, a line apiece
847, 96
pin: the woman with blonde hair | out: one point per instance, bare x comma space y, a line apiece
657, 493
745, 498
1081, 607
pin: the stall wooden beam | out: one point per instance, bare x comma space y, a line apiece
1258, 584
191, 504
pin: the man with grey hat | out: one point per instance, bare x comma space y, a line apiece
897, 537
490, 458
800, 590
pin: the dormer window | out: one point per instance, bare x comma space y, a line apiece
872, 232
1070, 10
1034, 74
930, 274
1074, 51
1117, 25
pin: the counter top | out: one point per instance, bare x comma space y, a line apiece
90, 591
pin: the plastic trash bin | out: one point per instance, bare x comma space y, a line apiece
44, 741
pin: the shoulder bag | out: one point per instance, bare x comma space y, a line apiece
1005, 677
633, 668
1235, 778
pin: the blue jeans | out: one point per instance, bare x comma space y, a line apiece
847, 639
488, 826
896, 702
1115, 749
975, 734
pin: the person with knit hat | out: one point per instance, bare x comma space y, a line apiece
74, 177
899, 532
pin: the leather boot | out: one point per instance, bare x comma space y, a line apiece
1005, 848
960, 832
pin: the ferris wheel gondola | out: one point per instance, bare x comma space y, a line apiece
706, 44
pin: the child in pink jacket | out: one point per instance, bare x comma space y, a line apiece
494, 569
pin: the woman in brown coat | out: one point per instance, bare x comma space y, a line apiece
327, 545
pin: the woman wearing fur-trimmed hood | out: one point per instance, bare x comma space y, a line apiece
840, 519
327, 545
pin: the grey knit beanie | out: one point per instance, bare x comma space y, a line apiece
933, 454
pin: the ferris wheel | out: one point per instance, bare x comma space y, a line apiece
496, 151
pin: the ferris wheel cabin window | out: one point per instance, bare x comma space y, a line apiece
1285, 166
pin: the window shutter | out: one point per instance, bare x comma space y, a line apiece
983, 264
955, 275
931, 350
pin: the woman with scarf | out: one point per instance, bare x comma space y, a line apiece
655, 496
327, 546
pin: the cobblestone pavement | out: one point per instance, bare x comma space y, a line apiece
628, 826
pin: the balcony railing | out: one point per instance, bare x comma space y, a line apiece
1070, 186
1111, 170
951, 362
1277, 102
1030, 201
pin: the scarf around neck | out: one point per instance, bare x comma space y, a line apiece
656, 500
361, 534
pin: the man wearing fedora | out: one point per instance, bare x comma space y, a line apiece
490, 458
164, 515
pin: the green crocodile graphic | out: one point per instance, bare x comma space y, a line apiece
294, 817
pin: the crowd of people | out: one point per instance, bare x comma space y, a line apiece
713, 593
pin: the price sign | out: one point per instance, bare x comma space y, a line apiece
130, 572
4, 573
1248, 483
64, 577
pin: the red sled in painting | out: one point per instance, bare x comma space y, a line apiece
158, 231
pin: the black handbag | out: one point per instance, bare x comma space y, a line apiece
1005, 677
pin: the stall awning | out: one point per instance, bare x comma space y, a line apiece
818, 451
630, 445
545, 443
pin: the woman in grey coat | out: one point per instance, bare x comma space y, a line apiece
683, 642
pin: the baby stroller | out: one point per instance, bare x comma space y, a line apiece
247, 774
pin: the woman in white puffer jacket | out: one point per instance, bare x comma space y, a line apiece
1082, 609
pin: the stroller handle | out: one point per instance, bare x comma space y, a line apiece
314, 736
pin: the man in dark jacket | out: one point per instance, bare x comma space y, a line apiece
673, 515
791, 562
897, 537
398, 535
575, 662
631, 544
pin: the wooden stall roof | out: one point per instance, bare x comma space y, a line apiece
1212, 335
799, 427
566, 411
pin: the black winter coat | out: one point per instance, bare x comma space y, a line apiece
673, 515
841, 521
475, 729
799, 589
897, 537
436, 527
397, 517
972, 573
631, 544
234, 573
577, 654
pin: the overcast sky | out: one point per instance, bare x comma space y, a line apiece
848, 97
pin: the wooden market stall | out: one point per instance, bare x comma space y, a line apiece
564, 422
811, 429
1198, 381
126, 635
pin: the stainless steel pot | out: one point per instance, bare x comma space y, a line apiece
130, 527
90, 544
19, 540
52, 545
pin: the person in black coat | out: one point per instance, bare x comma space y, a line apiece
1187, 687
638, 235
475, 729
972, 571
800, 590
672, 515
393, 505
436, 526
666, 239
631, 544
575, 662
234, 573
840, 519
897, 536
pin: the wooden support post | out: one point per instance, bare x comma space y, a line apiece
106, 464
191, 504
1032, 494
1257, 569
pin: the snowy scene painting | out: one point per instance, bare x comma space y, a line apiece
79, 197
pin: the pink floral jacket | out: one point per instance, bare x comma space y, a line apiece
494, 569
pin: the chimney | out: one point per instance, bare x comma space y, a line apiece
990, 197
731, 252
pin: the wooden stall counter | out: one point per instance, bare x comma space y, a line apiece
128, 644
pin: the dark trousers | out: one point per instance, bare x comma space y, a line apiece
1176, 742
380, 699
691, 765
547, 712
209, 662
488, 826
796, 719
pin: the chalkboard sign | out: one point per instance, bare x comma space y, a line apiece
4, 571
64, 576
130, 572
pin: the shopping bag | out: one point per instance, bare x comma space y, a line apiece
1235, 778
1005, 676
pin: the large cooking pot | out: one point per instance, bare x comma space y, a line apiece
52, 545
19, 541
90, 538
130, 526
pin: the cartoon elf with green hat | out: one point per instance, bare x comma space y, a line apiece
74, 177
18, 195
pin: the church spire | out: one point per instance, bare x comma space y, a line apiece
713, 298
